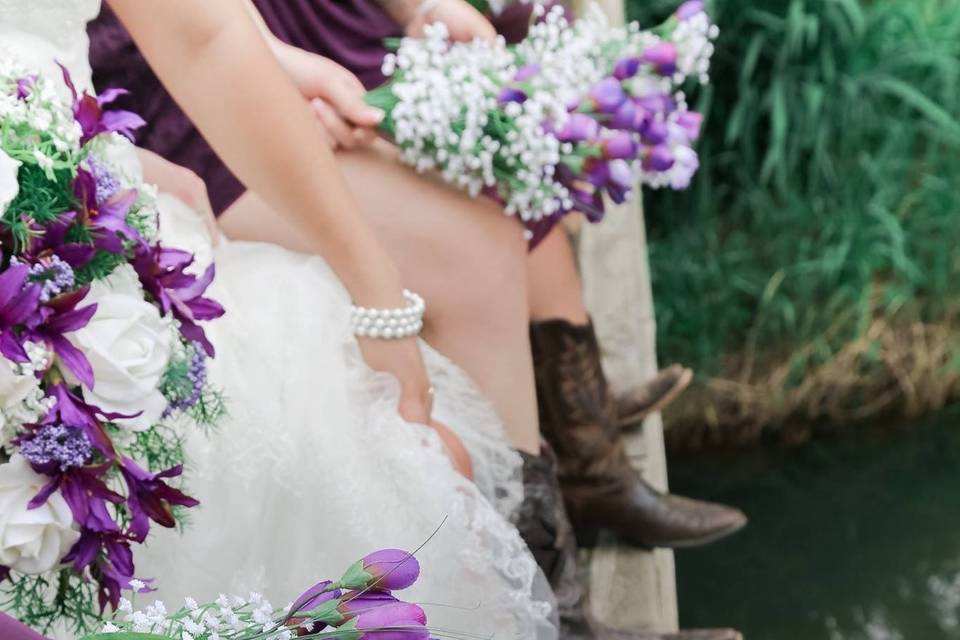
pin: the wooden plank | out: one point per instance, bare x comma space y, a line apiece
630, 589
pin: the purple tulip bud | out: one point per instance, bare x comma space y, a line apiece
314, 597
607, 95
690, 121
663, 56
628, 117
620, 145
689, 9
511, 94
387, 569
626, 68
620, 184
596, 171
25, 86
579, 127
657, 103
655, 132
659, 158
398, 621
354, 603
526, 72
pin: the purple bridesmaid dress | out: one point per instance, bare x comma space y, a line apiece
11, 629
352, 33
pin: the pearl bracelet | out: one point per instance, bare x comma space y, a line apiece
390, 324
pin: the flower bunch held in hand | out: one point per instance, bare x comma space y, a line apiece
549, 125
360, 606
101, 348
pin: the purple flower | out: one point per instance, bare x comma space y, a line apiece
657, 103
197, 377
107, 184
607, 95
89, 113
25, 86
628, 117
58, 317
151, 498
18, 303
621, 181
511, 94
110, 562
163, 274
689, 9
619, 145
51, 273
690, 122
526, 72
626, 68
663, 57
658, 158
313, 597
57, 446
578, 127
107, 219
655, 132
51, 239
354, 603
397, 621
387, 569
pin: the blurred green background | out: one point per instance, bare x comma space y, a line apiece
809, 272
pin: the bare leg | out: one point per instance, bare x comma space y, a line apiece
554, 288
463, 255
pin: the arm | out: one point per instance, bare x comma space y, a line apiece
213, 60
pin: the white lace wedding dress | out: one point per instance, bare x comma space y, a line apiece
313, 468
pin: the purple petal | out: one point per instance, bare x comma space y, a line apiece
607, 95
663, 56
579, 127
74, 360
511, 94
660, 158
11, 282
620, 145
11, 348
526, 72
626, 68
689, 9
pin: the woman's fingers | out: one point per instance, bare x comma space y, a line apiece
340, 133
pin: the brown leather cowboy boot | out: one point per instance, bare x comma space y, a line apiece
652, 396
601, 490
544, 526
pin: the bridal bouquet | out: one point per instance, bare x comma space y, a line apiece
550, 124
359, 606
101, 350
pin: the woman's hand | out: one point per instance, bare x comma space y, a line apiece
335, 94
463, 21
403, 360
182, 183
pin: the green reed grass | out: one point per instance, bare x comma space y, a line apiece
830, 187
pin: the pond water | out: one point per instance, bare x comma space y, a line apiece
851, 537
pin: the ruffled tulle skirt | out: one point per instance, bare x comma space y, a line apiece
314, 468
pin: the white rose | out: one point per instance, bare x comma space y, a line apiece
32, 540
128, 345
9, 186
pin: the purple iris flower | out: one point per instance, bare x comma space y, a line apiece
658, 158
689, 9
58, 317
607, 95
578, 127
526, 72
162, 273
110, 561
397, 621
626, 68
89, 113
151, 498
18, 303
50, 239
106, 219
690, 122
663, 57
511, 94
387, 569
619, 145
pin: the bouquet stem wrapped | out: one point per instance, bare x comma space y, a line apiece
549, 125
